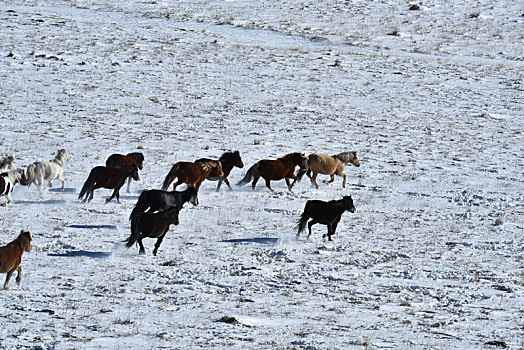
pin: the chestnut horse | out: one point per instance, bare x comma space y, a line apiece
192, 174
11, 256
120, 160
327, 213
319, 163
228, 160
105, 177
281, 168
154, 225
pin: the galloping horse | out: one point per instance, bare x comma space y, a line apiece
11, 256
8, 180
40, 171
327, 213
319, 163
7, 163
281, 168
192, 174
105, 177
154, 225
159, 200
120, 160
228, 160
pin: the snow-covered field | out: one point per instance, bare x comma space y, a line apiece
432, 99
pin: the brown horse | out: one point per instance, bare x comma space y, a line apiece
11, 256
228, 160
319, 163
120, 160
154, 225
281, 168
112, 178
192, 174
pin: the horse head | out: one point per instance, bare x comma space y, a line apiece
238, 161
139, 157
348, 157
193, 195
303, 161
25, 240
172, 215
348, 204
132, 170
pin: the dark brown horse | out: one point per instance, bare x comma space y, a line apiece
192, 174
154, 225
327, 213
228, 160
281, 168
11, 256
120, 160
112, 178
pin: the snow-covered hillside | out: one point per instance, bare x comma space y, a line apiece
431, 98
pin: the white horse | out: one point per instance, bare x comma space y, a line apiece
52, 170
7, 163
8, 180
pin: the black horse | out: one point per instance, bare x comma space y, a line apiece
105, 177
154, 225
160, 200
228, 160
327, 213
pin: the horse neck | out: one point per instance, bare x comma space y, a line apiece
57, 161
227, 165
17, 244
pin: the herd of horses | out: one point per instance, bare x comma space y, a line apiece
156, 210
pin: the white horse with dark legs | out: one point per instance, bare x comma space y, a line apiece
8, 180
7, 163
49, 171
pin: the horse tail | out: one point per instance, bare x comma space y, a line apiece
135, 232
301, 226
140, 206
31, 174
87, 186
170, 177
300, 173
249, 175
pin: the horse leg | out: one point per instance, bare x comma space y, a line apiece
158, 242
50, 183
314, 179
220, 184
178, 182
311, 223
141, 251
7, 278
329, 226
331, 179
268, 184
19, 276
128, 184
63, 183
295, 178
255, 180
344, 180
115, 193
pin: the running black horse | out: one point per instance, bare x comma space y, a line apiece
160, 200
327, 213
113, 178
228, 160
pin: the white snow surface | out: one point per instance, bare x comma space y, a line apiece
432, 100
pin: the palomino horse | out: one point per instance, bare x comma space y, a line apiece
11, 256
319, 163
281, 168
49, 171
8, 180
154, 225
112, 178
228, 160
120, 160
159, 200
327, 213
192, 174
7, 163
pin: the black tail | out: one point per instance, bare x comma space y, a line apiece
300, 173
87, 187
135, 232
140, 207
301, 226
249, 175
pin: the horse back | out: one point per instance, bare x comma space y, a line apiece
107, 177
323, 212
189, 172
322, 163
276, 169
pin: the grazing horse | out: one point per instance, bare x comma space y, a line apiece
7, 163
8, 180
281, 168
159, 200
105, 177
154, 225
327, 213
192, 174
120, 160
11, 256
319, 163
228, 160
40, 171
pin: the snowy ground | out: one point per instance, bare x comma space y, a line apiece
432, 100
